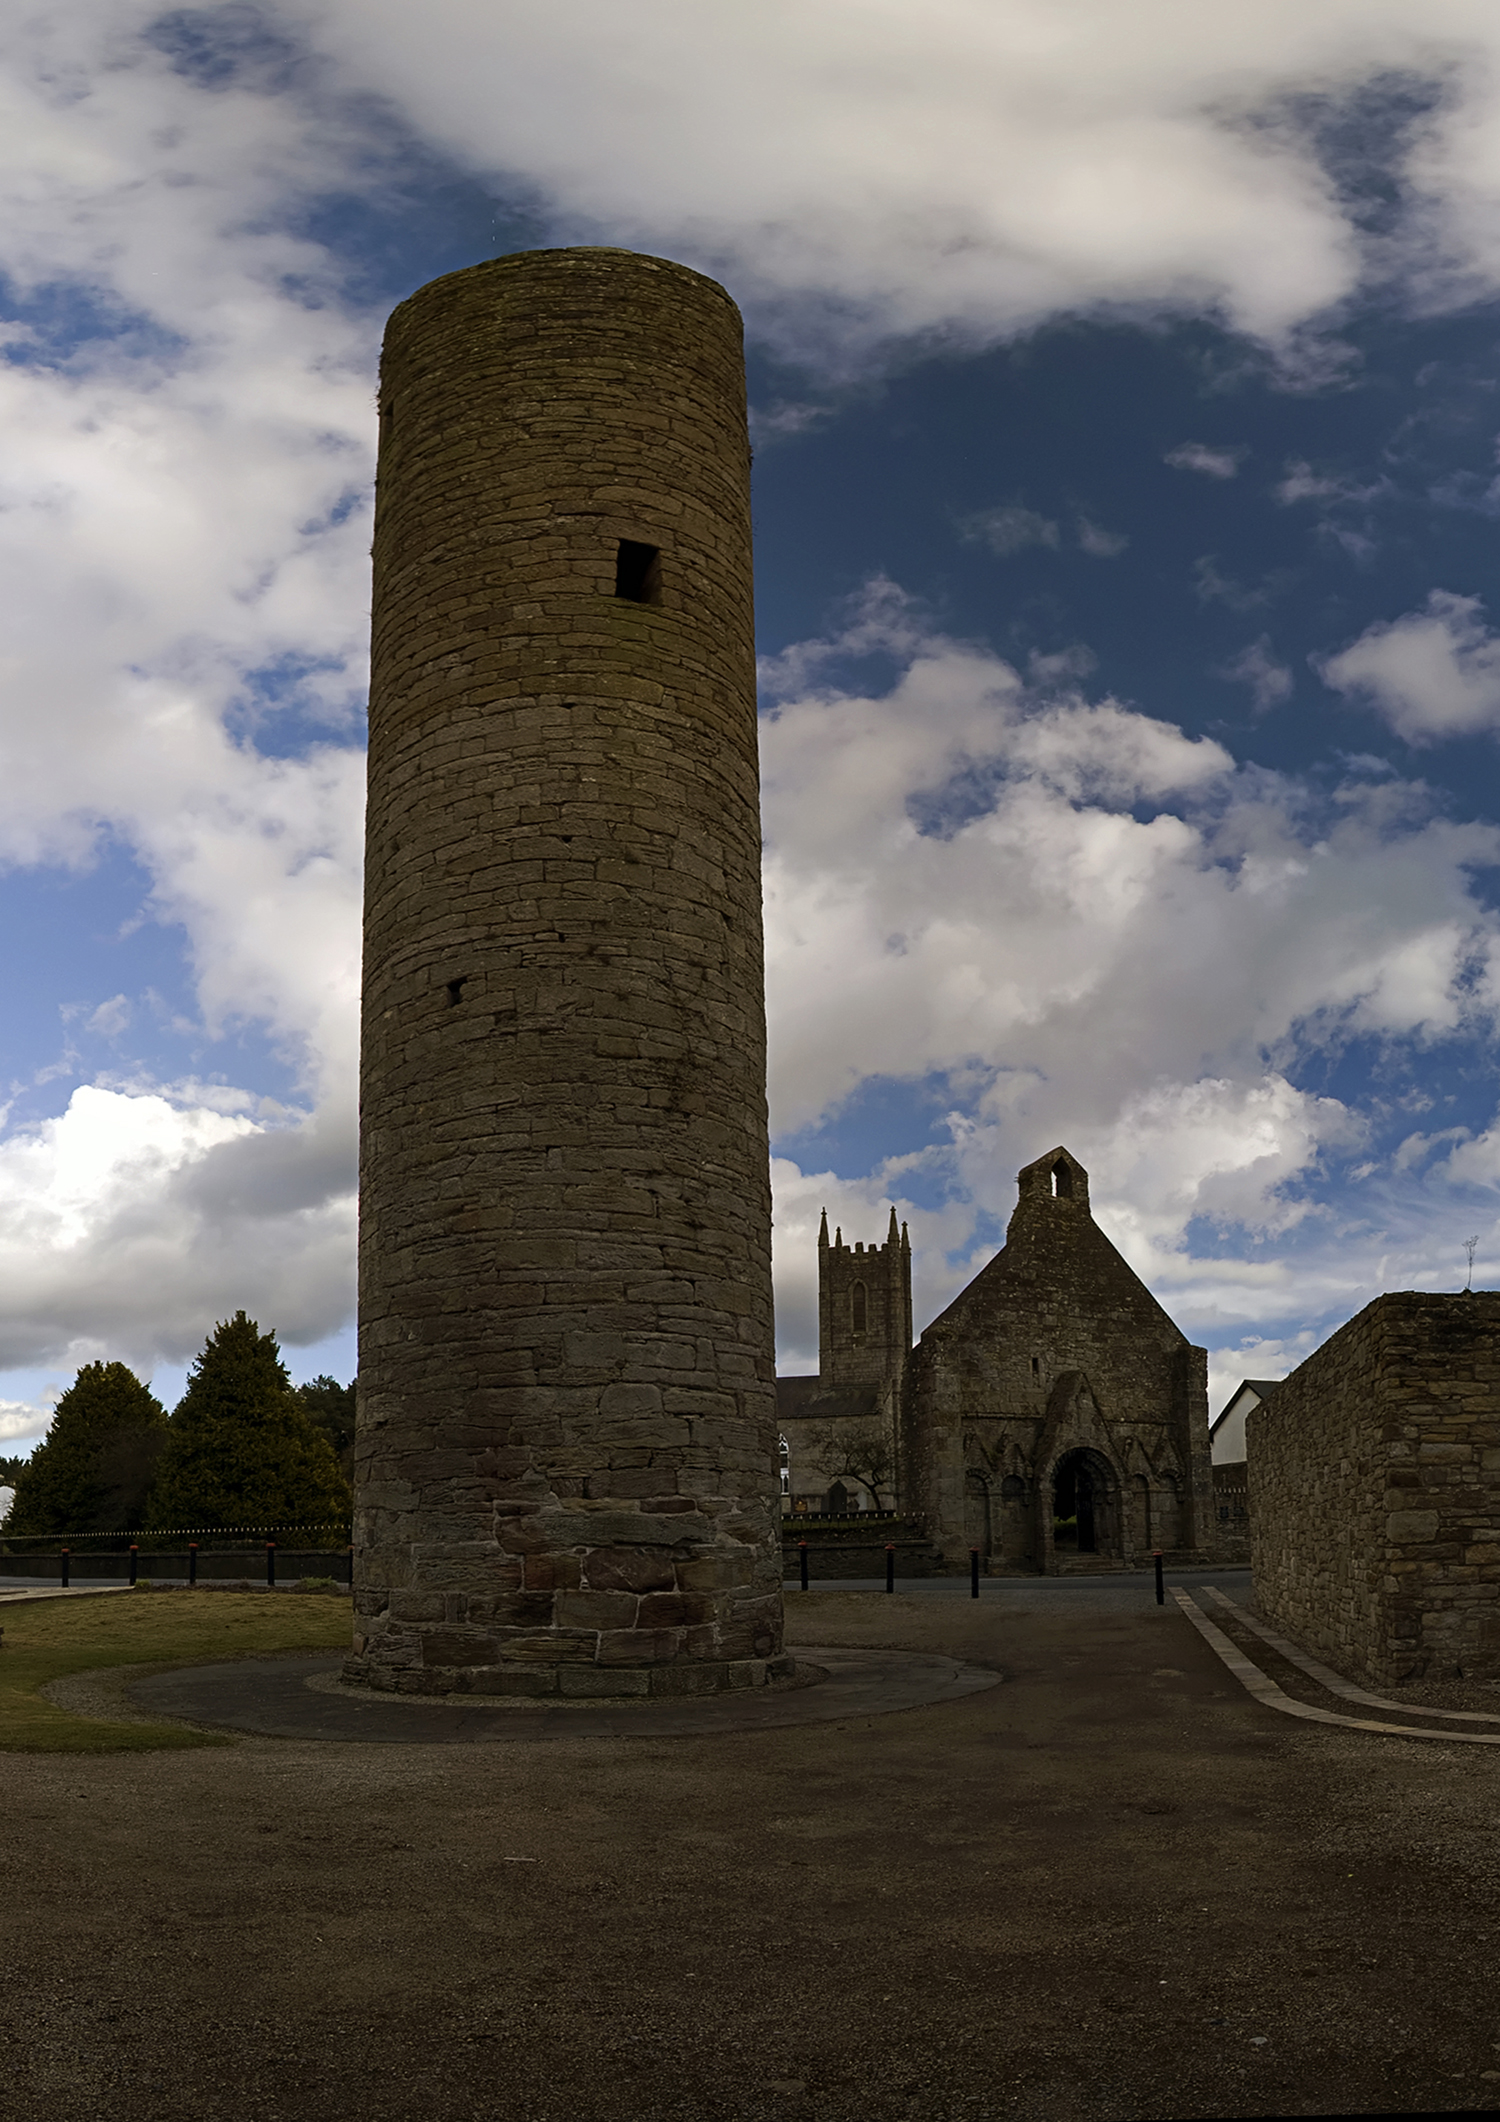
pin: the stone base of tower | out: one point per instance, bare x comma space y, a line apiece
583, 1682
576, 1602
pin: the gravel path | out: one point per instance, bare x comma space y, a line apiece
1114, 1889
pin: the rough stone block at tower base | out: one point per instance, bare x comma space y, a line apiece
566, 1472
1374, 1474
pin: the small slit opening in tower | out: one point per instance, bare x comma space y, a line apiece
456, 990
638, 572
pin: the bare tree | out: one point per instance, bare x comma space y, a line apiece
859, 1451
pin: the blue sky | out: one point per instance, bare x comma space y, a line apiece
1126, 408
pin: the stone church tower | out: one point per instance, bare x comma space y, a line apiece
864, 1309
565, 1475
838, 1427
1054, 1416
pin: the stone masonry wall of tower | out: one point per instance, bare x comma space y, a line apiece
566, 1461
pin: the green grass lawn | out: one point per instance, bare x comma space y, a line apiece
55, 1637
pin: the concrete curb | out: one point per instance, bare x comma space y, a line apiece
1326, 1677
1255, 1682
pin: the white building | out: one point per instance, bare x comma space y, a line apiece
1226, 1433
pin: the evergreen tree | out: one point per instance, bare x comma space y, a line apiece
331, 1406
92, 1471
241, 1448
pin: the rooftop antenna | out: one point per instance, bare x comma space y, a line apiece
1469, 1245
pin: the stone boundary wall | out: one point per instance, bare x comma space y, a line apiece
1374, 1482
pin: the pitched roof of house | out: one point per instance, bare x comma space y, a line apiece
1262, 1389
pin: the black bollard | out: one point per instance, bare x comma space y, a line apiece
133, 1554
349, 1566
271, 1562
973, 1572
890, 1566
63, 1558
802, 1559
1161, 1597
192, 1561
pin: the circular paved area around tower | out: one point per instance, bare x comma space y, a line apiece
301, 1697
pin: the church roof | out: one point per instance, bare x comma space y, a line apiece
799, 1398
1056, 1254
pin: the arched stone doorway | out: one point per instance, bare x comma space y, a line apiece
1085, 1507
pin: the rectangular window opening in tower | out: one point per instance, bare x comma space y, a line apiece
638, 572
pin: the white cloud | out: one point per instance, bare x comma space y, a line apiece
775, 423
1012, 527
184, 508
111, 1017
1050, 924
1100, 543
1253, 1357
1115, 936
1009, 529
1302, 483
129, 1224
1345, 507
1215, 463
1210, 586
960, 167
1269, 679
22, 1419
1429, 674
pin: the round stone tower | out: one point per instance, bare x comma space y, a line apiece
566, 1462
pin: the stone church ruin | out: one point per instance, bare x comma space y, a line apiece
1053, 1416
565, 1472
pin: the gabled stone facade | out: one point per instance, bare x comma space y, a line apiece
1054, 1417
1056, 1389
